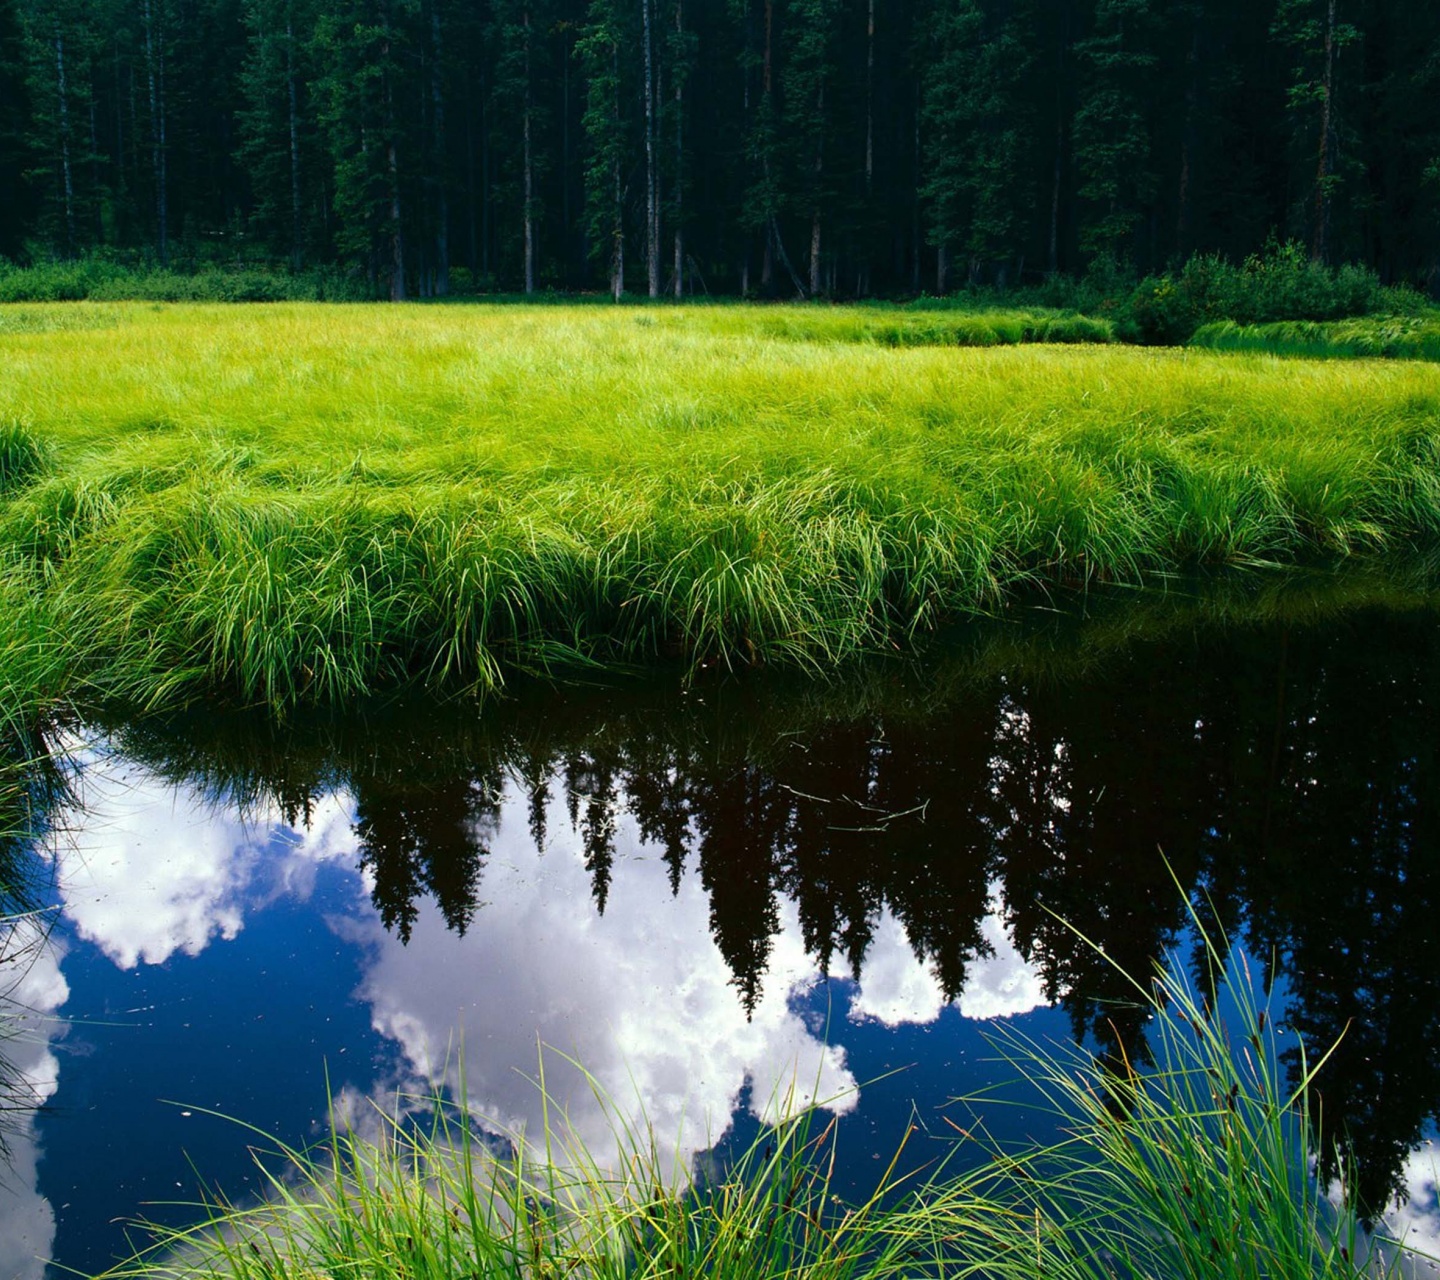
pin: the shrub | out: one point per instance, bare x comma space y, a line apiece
1283, 283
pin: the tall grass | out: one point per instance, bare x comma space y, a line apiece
1202, 1166
1391, 337
299, 503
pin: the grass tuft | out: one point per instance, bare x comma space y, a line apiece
296, 503
1388, 337
1201, 1165
22, 456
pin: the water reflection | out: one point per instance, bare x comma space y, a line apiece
31, 991
660, 880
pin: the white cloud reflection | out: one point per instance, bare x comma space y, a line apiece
641, 997
1416, 1222
147, 869
896, 987
31, 990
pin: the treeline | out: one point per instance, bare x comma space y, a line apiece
765, 147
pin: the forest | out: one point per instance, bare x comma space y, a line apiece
768, 148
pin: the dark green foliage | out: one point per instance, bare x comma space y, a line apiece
17, 206
847, 147
1281, 284
100, 279
979, 132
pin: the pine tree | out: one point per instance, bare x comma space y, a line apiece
1113, 144
607, 150
17, 210
979, 125
1316, 37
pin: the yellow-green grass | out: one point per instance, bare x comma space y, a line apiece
305, 501
1404, 337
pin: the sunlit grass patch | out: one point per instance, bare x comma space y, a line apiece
1391, 337
300, 502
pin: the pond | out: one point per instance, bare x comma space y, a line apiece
708, 892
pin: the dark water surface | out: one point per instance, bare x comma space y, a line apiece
707, 894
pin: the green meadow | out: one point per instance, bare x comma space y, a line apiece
302, 502
1393, 337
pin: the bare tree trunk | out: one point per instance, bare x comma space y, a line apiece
785, 258
617, 252
296, 234
99, 225
679, 156
1325, 162
567, 239
870, 101
397, 236
862, 280
815, 252
162, 168
472, 215
915, 211
392, 173
767, 264
815, 209
442, 194
154, 68
67, 182
652, 186
1184, 199
1058, 172
484, 183
529, 171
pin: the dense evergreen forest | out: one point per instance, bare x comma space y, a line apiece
768, 147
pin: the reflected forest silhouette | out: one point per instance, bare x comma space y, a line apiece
1283, 770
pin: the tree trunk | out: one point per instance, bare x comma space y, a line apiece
484, 184
67, 181
154, 72
862, 278
915, 209
819, 174
870, 101
1319, 245
652, 188
529, 170
397, 236
679, 154
472, 213
1184, 199
1058, 172
296, 234
567, 239
442, 194
617, 251
392, 174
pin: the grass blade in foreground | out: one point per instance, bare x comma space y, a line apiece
1202, 1167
